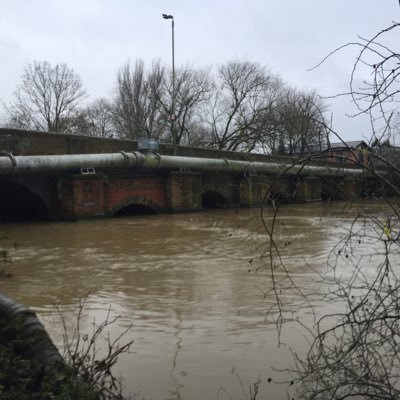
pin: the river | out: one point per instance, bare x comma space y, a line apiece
191, 286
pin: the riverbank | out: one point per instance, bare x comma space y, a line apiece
33, 369
23, 378
31, 366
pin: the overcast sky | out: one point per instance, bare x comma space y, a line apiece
96, 37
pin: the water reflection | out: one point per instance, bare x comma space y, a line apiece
187, 283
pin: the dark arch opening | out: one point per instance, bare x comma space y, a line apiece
326, 196
213, 199
18, 204
135, 209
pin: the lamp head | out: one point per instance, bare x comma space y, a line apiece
167, 16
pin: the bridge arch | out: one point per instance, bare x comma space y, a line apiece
134, 206
18, 203
213, 199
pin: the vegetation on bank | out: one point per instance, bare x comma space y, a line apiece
4, 259
24, 378
32, 368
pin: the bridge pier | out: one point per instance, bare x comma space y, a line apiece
252, 190
308, 189
79, 197
260, 189
352, 189
183, 191
342, 188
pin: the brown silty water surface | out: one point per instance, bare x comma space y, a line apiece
193, 287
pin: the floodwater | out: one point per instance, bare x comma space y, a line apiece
193, 289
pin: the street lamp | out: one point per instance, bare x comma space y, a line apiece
172, 116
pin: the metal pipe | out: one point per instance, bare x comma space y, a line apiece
27, 164
137, 160
224, 165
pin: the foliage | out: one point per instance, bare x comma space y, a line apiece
22, 377
5, 258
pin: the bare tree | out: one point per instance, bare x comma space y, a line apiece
354, 350
47, 99
247, 108
377, 97
136, 105
245, 90
144, 98
98, 116
299, 126
193, 89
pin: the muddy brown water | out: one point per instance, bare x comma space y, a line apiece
186, 284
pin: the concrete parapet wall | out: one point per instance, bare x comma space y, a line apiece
21, 142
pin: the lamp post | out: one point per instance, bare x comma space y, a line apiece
172, 116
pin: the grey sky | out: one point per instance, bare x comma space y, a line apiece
96, 37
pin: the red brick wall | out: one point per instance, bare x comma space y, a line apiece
120, 192
98, 195
88, 197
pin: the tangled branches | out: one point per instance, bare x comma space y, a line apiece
92, 356
354, 348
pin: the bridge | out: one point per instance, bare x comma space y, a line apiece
48, 176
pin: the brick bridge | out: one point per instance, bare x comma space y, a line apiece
47, 176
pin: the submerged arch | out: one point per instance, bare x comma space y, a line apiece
213, 199
17, 203
134, 206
